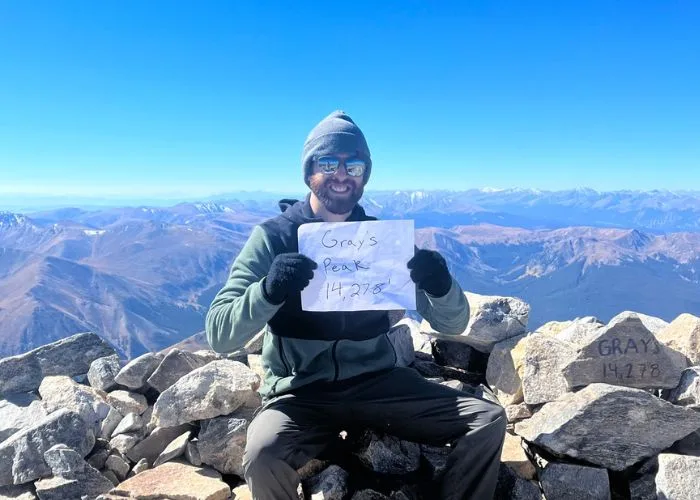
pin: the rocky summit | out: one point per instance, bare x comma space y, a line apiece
596, 411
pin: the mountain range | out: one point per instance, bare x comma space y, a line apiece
143, 277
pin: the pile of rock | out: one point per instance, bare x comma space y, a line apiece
597, 411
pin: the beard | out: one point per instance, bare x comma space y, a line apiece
337, 203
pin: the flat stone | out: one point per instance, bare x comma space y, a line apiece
19, 412
505, 368
683, 335
677, 478
511, 486
175, 480
174, 449
543, 378
516, 413
387, 454
70, 356
118, 465
72, 476
221, 443
102, 372
175, 365
368, 494
241, 492
330, 484
22, 455
127, 402
218, 388
579, 425
110, 422
135, 373
625, 352
60, 391
112, 478
153, 445
492, 319
580, 331
513, 455
560, 480
141, 466
401, 340
130, 423
192, 453
21, 492
124, 442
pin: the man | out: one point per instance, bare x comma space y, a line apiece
325, 371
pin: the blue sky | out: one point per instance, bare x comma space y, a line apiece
195, 98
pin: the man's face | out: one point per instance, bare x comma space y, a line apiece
338, 192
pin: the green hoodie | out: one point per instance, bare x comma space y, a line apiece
240, 310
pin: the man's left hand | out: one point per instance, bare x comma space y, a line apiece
429, 271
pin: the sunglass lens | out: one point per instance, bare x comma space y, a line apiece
355, 168
328, 165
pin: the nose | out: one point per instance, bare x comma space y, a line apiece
341, 173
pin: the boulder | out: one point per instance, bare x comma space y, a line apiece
388, 454
625, 352
221, 443
492, 319
19, 412
175, 480
130, 423
505, 369
60, 391
21, 492
683, 335
151, 447
174, 449
511, 486
580, 331
513, 455
72, 476
175, 365
102, 372
218, 388
331, 484
127, 402
561, 480
607, 425
677, 478
22, 455
70, 356
687, 393
543, 378
135, 373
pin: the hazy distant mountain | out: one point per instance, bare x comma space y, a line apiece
143, 277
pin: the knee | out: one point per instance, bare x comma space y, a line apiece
498, 419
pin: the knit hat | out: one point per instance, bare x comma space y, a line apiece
336, 133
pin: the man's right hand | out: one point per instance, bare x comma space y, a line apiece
289, 273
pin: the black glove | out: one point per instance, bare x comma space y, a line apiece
429, 271
289, 273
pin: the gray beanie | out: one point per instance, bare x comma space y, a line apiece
336, 133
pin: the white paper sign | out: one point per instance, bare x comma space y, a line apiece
361, 265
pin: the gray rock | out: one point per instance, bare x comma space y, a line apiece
625, 352
330, 484
61, 391
504, 369
110, 422
69, 356
21, 492
102, 372
687, 393
611, 426
22, 455
653, 324
155, 443
222, 442
516, 413
130, 423
401, 340
387, 454
683, 335
118, 465
135, 373
175, 365
492, 320
207, 355
368, 494
127, 402
421, 342
98, 458
111, 477
192, 453
545, 358
124, 442
510, 486
72, 476
436, 458
218, 388
677, 478
580, 331
560, 480
141, 466
689, 445
643, 481
19, 412
174, 449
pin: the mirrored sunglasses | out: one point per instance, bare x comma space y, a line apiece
329, 165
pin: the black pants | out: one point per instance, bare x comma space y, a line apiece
295, 428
